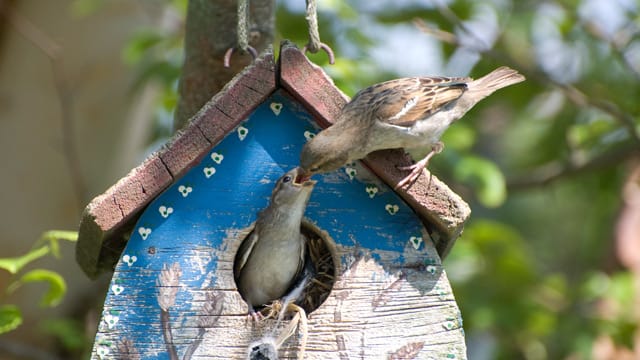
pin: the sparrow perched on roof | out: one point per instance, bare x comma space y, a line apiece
271, 258
409, 113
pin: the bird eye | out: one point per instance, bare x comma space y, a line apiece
286, 179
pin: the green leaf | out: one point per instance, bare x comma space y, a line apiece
485, 176
57, 285
139, 45
53, 236
10, 318
460, 136
13, 265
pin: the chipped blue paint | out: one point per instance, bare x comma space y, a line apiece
226, 191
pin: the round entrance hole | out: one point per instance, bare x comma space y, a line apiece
321, 252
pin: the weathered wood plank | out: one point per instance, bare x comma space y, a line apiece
310, 85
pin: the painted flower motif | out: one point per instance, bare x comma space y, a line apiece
242, 132
392, 209
209, 171
276, 108
185, 190
217, 158
144, 232
372, 190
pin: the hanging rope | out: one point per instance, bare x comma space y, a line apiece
243, 33
314, 43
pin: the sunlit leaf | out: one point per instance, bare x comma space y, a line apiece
13, 265
486, 178
57, 285
10, 318
53, 237
459, 136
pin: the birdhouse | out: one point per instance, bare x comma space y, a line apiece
170, 230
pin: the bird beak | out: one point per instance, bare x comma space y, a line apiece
303, 179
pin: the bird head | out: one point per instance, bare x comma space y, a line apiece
293, 188
325, 152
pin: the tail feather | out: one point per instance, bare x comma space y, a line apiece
497, 79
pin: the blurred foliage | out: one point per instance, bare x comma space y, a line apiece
542, 163
48, 244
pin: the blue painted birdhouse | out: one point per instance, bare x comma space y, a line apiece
170, 230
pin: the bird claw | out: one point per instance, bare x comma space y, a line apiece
255, 317
418, 168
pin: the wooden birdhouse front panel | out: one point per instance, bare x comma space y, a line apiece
173, 288
173, 295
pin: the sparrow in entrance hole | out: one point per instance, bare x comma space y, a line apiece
409, 113
272, 256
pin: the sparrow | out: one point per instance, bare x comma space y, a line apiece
409, 113
272, 256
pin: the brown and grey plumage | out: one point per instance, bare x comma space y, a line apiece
409, 113
270, 259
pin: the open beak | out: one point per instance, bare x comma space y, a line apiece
303, 179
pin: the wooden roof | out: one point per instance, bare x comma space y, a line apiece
109, 218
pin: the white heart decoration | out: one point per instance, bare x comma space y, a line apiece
129, 259
372, 190
416, 241
392, 209
217, 158
351, 172
309, 135
102, 351
185, 190
242, 132
276, 107
117, 289
209, 171
144, 232
165, 211
111, 320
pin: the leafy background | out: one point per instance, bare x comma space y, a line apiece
548, 265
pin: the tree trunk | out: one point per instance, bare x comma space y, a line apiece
210, 31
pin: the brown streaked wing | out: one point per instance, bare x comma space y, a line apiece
405, 101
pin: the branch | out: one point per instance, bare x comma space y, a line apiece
211, 28
577, 96
52, 50
557, 170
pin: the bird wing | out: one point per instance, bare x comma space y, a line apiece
404, 101
244, 252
